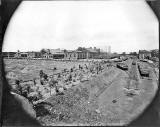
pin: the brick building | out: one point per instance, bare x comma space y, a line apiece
8, 54
88, 53
92, 53
57, 53
74, 55
144, 54
27, 54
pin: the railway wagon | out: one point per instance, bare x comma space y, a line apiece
143, 70
122, 66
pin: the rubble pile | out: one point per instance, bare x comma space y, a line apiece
69, 108
79, 93
58, 86
46, 85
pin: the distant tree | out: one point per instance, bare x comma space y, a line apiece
123, 53
48, 51
155, 53
65, 50
81, 49
43, 51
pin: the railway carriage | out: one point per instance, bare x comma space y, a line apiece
122, 66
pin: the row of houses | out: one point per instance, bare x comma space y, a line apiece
88, 53
150, 55
30, 55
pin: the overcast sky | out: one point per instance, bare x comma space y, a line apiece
124, 25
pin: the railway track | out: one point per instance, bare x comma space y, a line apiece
133, 74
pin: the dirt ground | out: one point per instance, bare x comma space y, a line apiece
29, 69
114, 97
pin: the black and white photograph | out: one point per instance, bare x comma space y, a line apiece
79, 63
